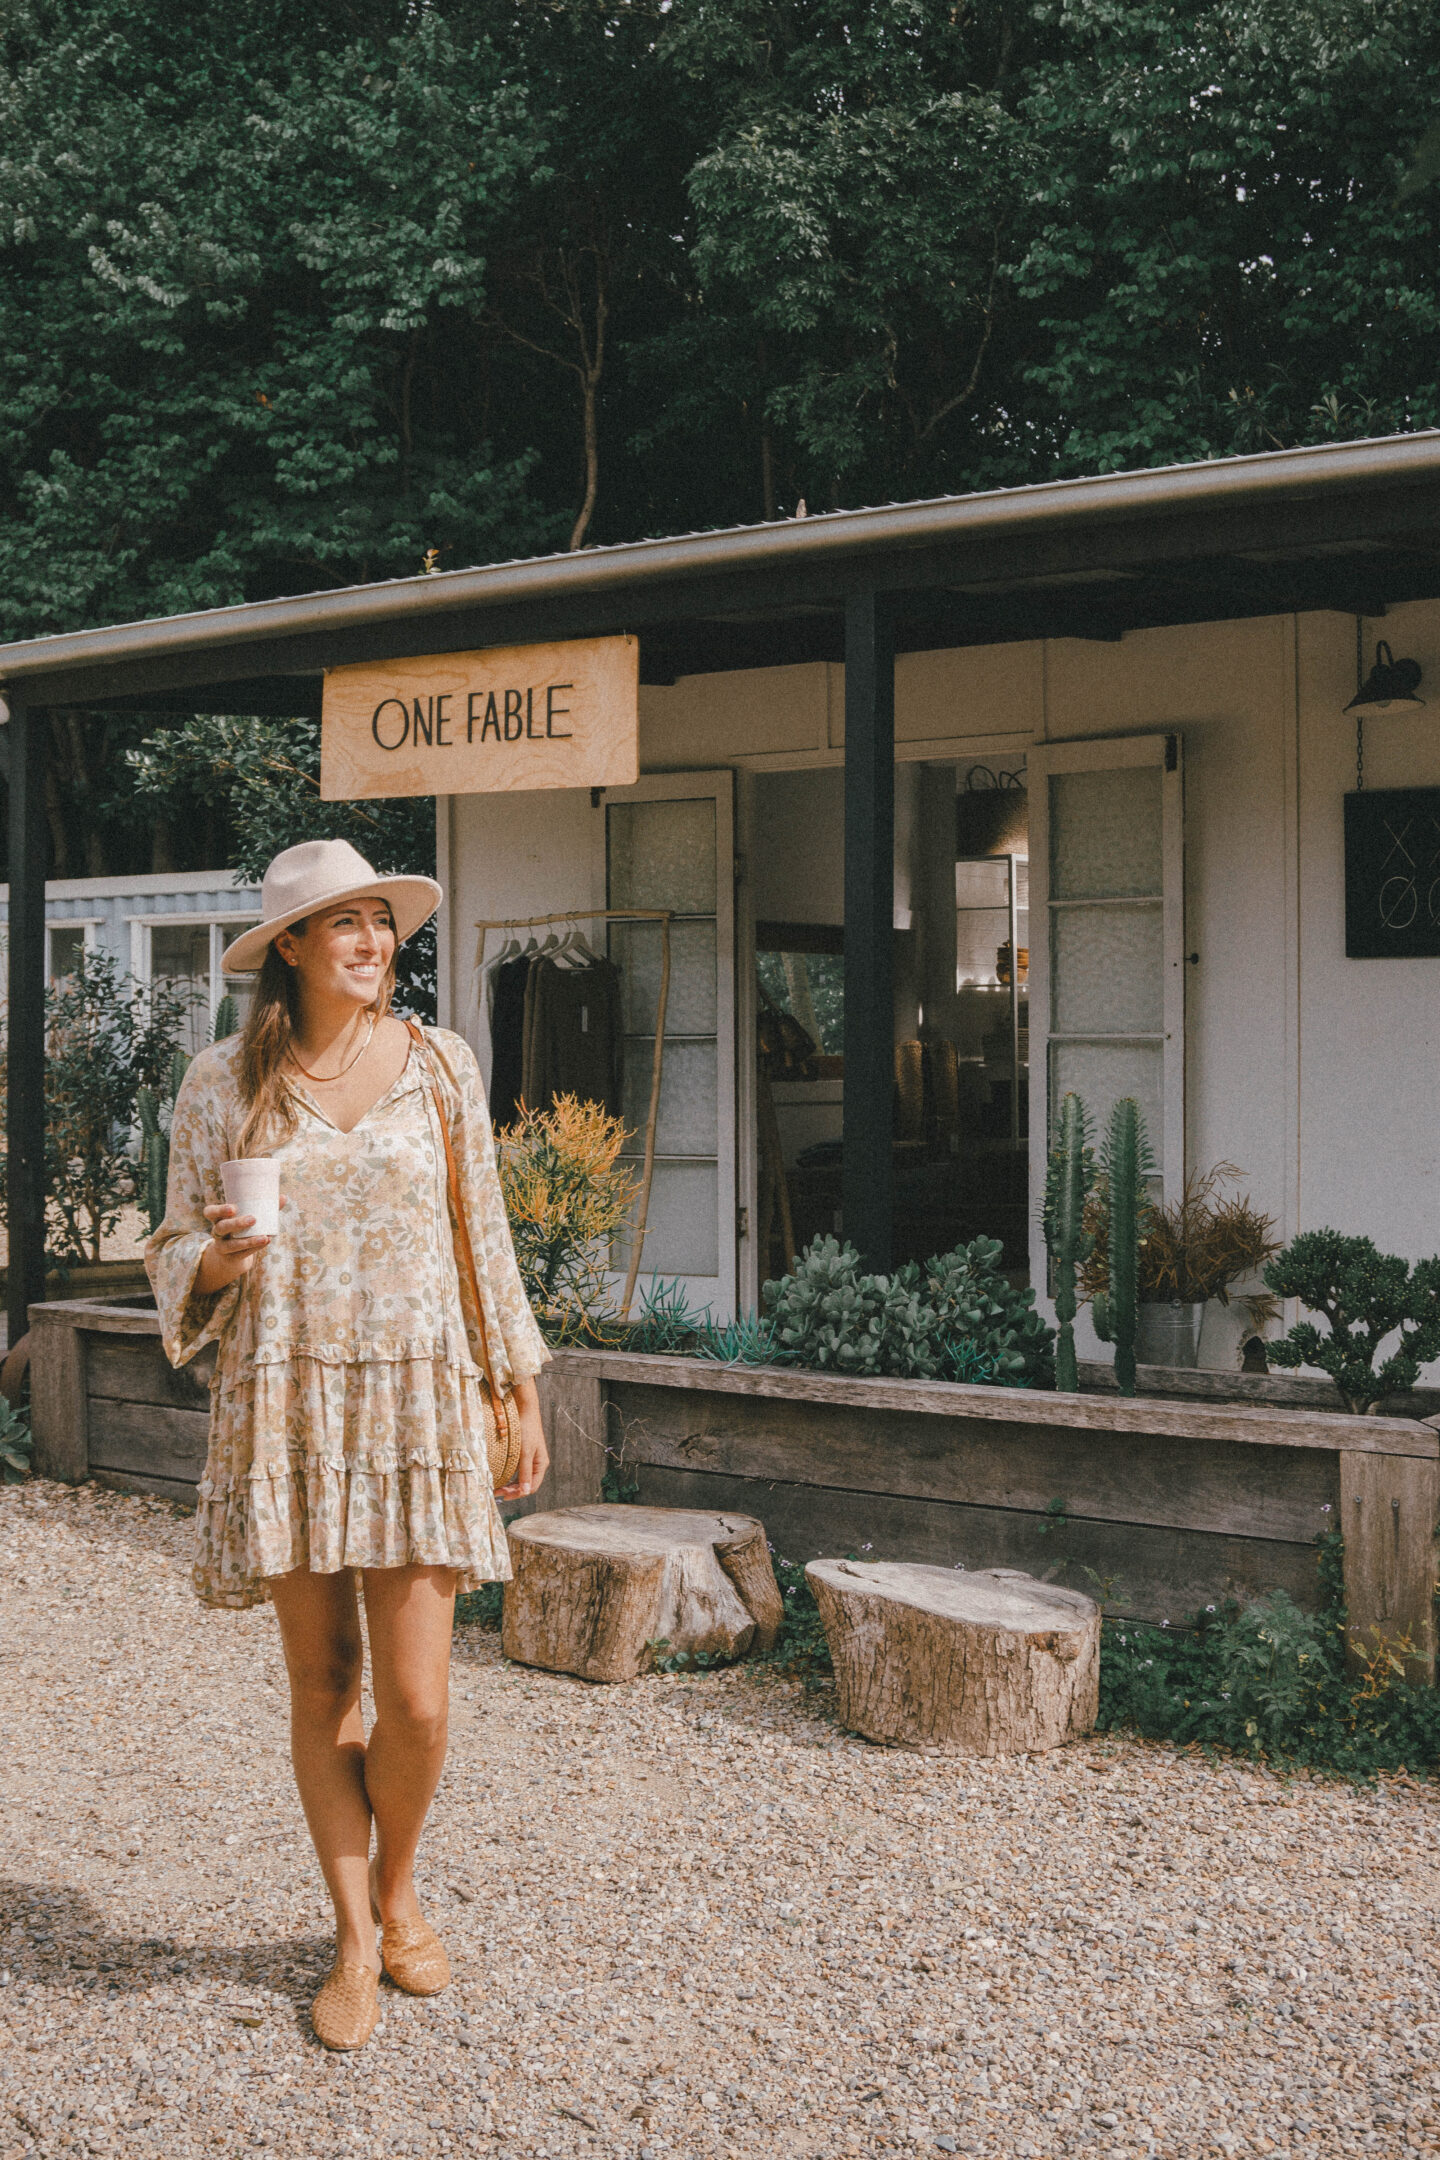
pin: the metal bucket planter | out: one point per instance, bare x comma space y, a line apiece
1168, 1333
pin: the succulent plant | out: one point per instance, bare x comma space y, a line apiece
1127, 1162
1069, 1180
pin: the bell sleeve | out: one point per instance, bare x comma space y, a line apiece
517, 1347
190, 1318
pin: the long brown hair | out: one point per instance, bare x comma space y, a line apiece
266, 1041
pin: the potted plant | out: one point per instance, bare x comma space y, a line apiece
1197, 1248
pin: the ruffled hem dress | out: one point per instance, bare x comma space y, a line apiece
348, 1412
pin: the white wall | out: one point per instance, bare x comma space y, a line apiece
1369, 1139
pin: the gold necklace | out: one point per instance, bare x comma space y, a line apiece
329, 1079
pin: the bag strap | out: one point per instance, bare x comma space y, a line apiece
465, 1251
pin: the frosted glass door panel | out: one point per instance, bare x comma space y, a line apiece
683, 1236
1107, 974
687, 1123
662, 855
1105, 833
1102, 1073
669, 844
690, 1008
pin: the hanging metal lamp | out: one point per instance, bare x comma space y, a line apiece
1389, 684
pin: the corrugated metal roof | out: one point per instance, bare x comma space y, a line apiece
833, 539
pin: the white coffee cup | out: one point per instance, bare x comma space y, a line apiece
252, 1187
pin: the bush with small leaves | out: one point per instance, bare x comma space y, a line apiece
1364, 1297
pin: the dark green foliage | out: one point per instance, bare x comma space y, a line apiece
482, 1607
1127, 1162
801, 1648
1069, 1179
1269, 1680
227, 1019
1364, 1297
294, 298
16, 1445
615, 1486
953, 1318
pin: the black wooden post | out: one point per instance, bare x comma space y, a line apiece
29, 835
866, 1181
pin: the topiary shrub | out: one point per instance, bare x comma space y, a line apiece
956, 1317
1364, 1297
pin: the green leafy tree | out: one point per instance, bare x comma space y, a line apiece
1217, 248
106, 1038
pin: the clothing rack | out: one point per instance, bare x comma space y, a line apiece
657, 1064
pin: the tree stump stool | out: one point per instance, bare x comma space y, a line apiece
989, 1663
596, 1588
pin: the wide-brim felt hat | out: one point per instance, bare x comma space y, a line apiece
321, 874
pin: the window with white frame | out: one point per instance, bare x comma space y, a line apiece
65, 941
185, 951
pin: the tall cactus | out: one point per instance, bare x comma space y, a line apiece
227, 1019
1128, 1162
155, 1137
1069, 1178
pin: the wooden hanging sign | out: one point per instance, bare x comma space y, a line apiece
509, 718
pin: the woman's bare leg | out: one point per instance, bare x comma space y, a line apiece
320, 1629
409, 1613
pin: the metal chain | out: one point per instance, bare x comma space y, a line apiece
1359, 717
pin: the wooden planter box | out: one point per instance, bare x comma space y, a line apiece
1168, 1503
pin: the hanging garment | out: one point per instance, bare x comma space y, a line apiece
574, 1043
507, 1037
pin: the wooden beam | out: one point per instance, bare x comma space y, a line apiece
1388, 1509
29, 836
867, 1175
1260, 1424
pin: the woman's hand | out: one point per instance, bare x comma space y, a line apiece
534, 1455
230, 1253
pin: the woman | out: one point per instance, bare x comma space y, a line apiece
347, 1425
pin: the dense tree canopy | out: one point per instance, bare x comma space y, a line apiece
293, 297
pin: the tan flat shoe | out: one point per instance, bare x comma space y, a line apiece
414, 1957
346, 2010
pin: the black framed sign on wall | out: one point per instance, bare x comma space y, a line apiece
1392, 874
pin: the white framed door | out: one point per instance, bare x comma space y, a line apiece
669, 842
1107, 945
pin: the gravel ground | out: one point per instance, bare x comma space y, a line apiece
688, 1917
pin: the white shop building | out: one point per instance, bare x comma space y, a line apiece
1146, 674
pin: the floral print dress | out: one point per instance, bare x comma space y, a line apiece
347, 1425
